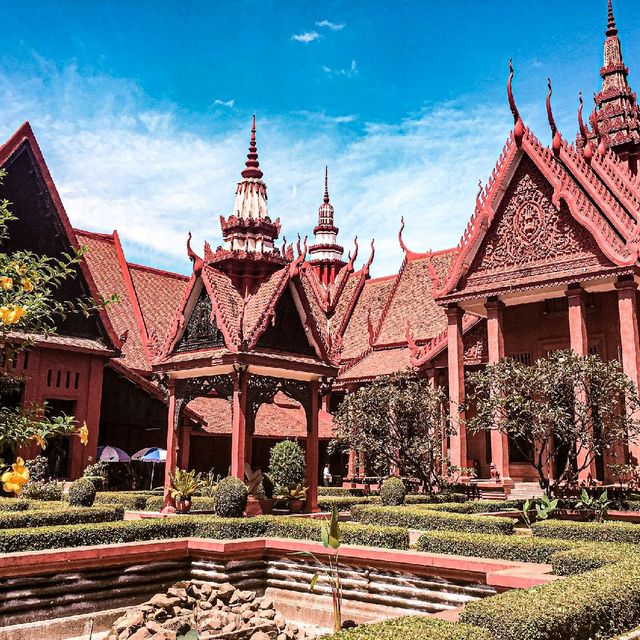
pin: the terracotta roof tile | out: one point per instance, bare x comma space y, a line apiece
282, 418
159, 294
379, 362
102, 259
227, 304
374, 296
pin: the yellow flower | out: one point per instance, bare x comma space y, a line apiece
14, 479
39, 440
12, 314
6, 283
27, 285
84, 433
18, 268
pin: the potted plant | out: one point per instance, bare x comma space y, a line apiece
257, 501
184, 484
296, 497
288, 471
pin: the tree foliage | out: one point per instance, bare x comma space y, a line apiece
562, 405
28, 308
399, 422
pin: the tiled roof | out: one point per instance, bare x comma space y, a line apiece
104, 265
72, 342
282, 418
378, 362
373, 297
227, 304
159, 293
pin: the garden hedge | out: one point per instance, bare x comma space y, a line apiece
420, 518
134, 501
340, 491
413, 628
55, 537
22, 504
499, 547
588, 556
596, 604
70, 515
344, 503
478, 506
624, 532
198, 503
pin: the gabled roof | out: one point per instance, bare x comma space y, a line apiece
24, 136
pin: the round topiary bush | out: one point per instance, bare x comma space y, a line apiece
51, 491
82, 493
392, 492
287, 465
230, 499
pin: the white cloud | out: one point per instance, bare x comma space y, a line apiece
122, 162
306, 37
349, 72
333, 26
224, 103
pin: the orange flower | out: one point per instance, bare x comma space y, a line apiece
84, 433
15, 478
27, 285
6, 283
39, 440
12, 314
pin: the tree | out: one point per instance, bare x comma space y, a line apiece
399, 421
28, 307
563, 406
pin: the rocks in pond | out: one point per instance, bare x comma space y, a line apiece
223, 613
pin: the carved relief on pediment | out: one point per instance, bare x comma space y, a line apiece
530, 233
476, 347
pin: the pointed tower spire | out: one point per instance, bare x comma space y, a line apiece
617, 112
325, 252
252, 164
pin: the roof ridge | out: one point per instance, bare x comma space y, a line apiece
158, 271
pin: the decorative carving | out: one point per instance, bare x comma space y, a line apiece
530, 232
476, 348
201, 330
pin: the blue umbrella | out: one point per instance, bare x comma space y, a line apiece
151, 454
112, 454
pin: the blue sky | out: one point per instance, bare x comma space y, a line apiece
143, 108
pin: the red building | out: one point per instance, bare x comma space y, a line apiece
223, 363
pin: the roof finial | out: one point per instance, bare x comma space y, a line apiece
587, 149
252, 164
556, 141
326, 184
611, 22
518, 130
602, 148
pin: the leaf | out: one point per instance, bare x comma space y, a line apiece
314, 581
325, 535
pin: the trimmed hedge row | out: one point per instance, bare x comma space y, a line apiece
413, 628
22, 504
597, 604
419, 518
478, 506
340, 491
624, 532
154, 503
134, 501
588, 556
344, 503
499, 547
55, 537
70, 515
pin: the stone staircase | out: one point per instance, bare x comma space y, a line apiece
525, 490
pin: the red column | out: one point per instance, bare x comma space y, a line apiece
458, 442
351, 469
495, 340
239, 424
172, 441
185, 445
629, 340
312, 450
579, 343
362, 470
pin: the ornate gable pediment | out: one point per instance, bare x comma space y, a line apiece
201, 330
530, 239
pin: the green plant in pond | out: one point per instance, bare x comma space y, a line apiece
184, 484
544, 506
331, 539
598, 506
192, 634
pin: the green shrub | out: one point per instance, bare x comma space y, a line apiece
596, 604
230, 499
478, 506
38, 469
340, 491
356, 534
624, 532
419, 518
500, 547
132, 501
198, 503
49, 491
392, 492
585, 557
55, 537
68, 515
434, 498
82, 493
344, 503
98, 474
287, 464
13, 504
413, 628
